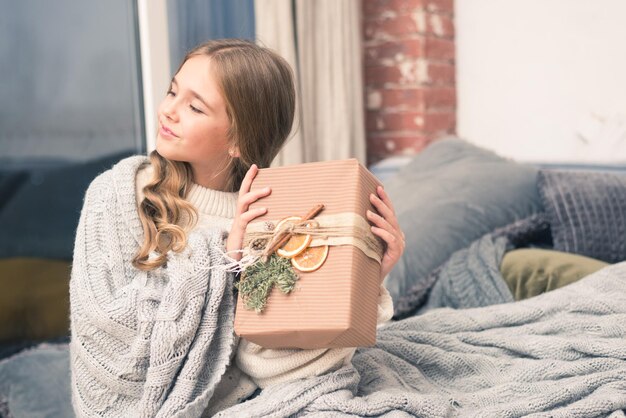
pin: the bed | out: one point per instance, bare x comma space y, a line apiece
467, 342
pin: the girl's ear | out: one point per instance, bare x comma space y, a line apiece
234, 151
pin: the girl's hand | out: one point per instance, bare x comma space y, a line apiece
243, 216
387, 228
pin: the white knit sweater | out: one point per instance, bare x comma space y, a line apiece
144, 343
255, 366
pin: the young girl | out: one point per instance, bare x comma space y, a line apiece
152, 330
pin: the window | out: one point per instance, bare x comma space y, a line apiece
70, 86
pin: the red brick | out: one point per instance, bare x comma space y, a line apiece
395, 121
440, 25
404, 113
440, 97
434, 24
441, 74
390, 28
408, 98
439, 49
409, 48
385, 99
444, 122
424, 98
373, 8
381, 75
440, 6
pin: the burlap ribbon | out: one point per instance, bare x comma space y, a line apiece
345, 228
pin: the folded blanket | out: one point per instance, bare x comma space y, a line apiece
471, 276
560, 354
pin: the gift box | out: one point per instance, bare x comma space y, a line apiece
337, 304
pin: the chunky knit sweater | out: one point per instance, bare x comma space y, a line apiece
144, 343
254, 366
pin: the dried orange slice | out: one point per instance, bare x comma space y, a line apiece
296, 244
310, 259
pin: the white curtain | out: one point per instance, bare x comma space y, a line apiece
321, 39
275, 30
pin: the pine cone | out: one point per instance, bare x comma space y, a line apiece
259, 244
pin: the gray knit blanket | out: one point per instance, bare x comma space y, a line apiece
144, 344
561, 354
471, 277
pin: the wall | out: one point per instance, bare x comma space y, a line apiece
543, 80
409, 58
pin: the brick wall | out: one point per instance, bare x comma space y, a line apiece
410, 93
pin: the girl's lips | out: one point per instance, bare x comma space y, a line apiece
166, 132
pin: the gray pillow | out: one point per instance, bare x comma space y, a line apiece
36, 383
448, 196
587, 212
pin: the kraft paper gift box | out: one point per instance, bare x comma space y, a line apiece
336, 305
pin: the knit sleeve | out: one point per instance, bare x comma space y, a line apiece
143, 343
267, 366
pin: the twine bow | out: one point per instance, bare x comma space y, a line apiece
287, 230
263, 240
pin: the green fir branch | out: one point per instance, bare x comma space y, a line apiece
258, 280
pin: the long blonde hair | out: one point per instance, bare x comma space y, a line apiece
258, 89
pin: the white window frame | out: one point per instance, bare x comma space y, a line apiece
155, 62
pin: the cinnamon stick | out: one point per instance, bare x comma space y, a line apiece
287, 235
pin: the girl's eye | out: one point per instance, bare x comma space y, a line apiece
195, 109
170, 92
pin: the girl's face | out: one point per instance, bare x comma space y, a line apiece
193, 123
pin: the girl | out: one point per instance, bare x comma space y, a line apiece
151, 318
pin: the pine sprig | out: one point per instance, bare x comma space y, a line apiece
258, 280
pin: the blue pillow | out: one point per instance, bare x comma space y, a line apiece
10, 182
449, 195
41, 217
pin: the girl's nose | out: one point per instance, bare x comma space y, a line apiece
169, 109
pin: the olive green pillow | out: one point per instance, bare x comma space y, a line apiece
530, 272
34, 299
